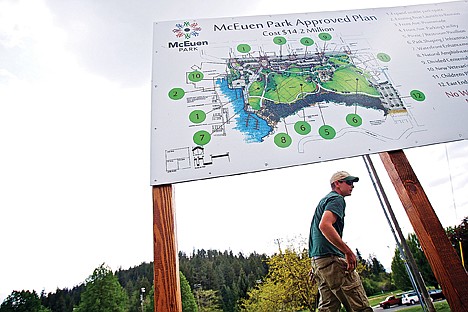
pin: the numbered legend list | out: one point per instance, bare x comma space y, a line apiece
440, 43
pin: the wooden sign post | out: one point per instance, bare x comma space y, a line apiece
167, 296
444, 262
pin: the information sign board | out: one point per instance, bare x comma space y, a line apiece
244, 94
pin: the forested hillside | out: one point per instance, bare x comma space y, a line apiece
214, 281
222, 276
218, 279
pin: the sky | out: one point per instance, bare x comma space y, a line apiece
75, 102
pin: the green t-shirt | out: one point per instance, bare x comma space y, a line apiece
318, 244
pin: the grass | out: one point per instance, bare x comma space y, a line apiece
441, 306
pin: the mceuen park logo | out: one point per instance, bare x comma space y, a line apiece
187, 30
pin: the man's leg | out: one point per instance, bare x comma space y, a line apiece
354, 292
346, 286
328, 300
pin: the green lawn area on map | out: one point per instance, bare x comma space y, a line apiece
287, 87
295, 83
350, 79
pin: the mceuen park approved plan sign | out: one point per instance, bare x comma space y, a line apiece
244, 94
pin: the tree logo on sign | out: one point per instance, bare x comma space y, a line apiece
187, 30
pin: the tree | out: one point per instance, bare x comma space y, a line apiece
22, 301
208, 300
399, 272
421, 261
221, 278
375, 266
287, 287
63, 300
359, 257
148, 304
103, 293
188, 300
458, 236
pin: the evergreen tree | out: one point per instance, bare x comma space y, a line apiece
221, 278
22, 301
148, 304
375, 266
458, 236
421, 261
359, 257
207, 300
399, 273
188, 300
103, 293
229, 299
63, 300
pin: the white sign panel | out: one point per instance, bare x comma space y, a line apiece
236, 95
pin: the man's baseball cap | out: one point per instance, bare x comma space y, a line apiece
343, 176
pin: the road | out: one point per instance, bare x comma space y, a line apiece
392, 308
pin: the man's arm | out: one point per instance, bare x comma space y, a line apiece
326, 226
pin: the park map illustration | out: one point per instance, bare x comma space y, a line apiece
275, 96
278, 95
277, 87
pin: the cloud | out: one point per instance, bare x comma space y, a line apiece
114, 39
21, 35
109, 39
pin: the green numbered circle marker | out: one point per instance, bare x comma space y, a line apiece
327, 132
195, 76
282, 140
418, 95
176, 93
325, 36
384, 57
279, 40
201, 137
197, 116
354, 120
243, 48
307, 41
302, 127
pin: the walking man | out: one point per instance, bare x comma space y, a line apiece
333, 262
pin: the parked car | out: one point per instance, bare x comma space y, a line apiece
390, 301
436, 294
409, 298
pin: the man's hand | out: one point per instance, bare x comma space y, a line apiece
351, 260
312, 276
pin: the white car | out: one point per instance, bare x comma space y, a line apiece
409, 298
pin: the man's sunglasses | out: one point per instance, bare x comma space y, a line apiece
347, 182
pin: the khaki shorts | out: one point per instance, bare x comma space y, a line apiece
338, 286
